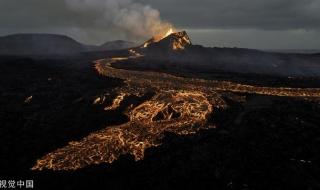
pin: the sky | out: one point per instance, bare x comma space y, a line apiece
261, 24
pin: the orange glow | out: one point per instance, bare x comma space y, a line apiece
179, 112
158, 38
116, 102
168, 33
180, 105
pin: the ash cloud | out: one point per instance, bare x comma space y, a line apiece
135, 20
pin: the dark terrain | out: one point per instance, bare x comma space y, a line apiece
259, 142
178, 68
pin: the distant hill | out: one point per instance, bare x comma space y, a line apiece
52, 44
117, 45
34, 44
301, 51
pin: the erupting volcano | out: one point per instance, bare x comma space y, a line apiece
137, 94
178, 105
171, 40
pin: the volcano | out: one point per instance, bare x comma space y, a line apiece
171, 41
175, 51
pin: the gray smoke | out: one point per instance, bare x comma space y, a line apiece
135, 20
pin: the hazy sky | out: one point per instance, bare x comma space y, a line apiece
266, 24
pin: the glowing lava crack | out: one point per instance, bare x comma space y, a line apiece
180, 112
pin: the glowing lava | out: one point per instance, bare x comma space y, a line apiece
168, 33
179, 112
158, 38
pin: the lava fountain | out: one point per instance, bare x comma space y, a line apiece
158, 38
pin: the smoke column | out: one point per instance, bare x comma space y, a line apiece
133, 19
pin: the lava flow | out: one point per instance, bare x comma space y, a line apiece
178, 105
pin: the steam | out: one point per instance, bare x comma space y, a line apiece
133, 19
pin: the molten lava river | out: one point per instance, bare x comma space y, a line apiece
177, 105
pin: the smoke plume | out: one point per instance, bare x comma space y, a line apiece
135, 20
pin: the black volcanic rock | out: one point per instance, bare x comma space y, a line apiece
39, 44
249, 61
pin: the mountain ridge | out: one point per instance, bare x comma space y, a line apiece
52, 44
